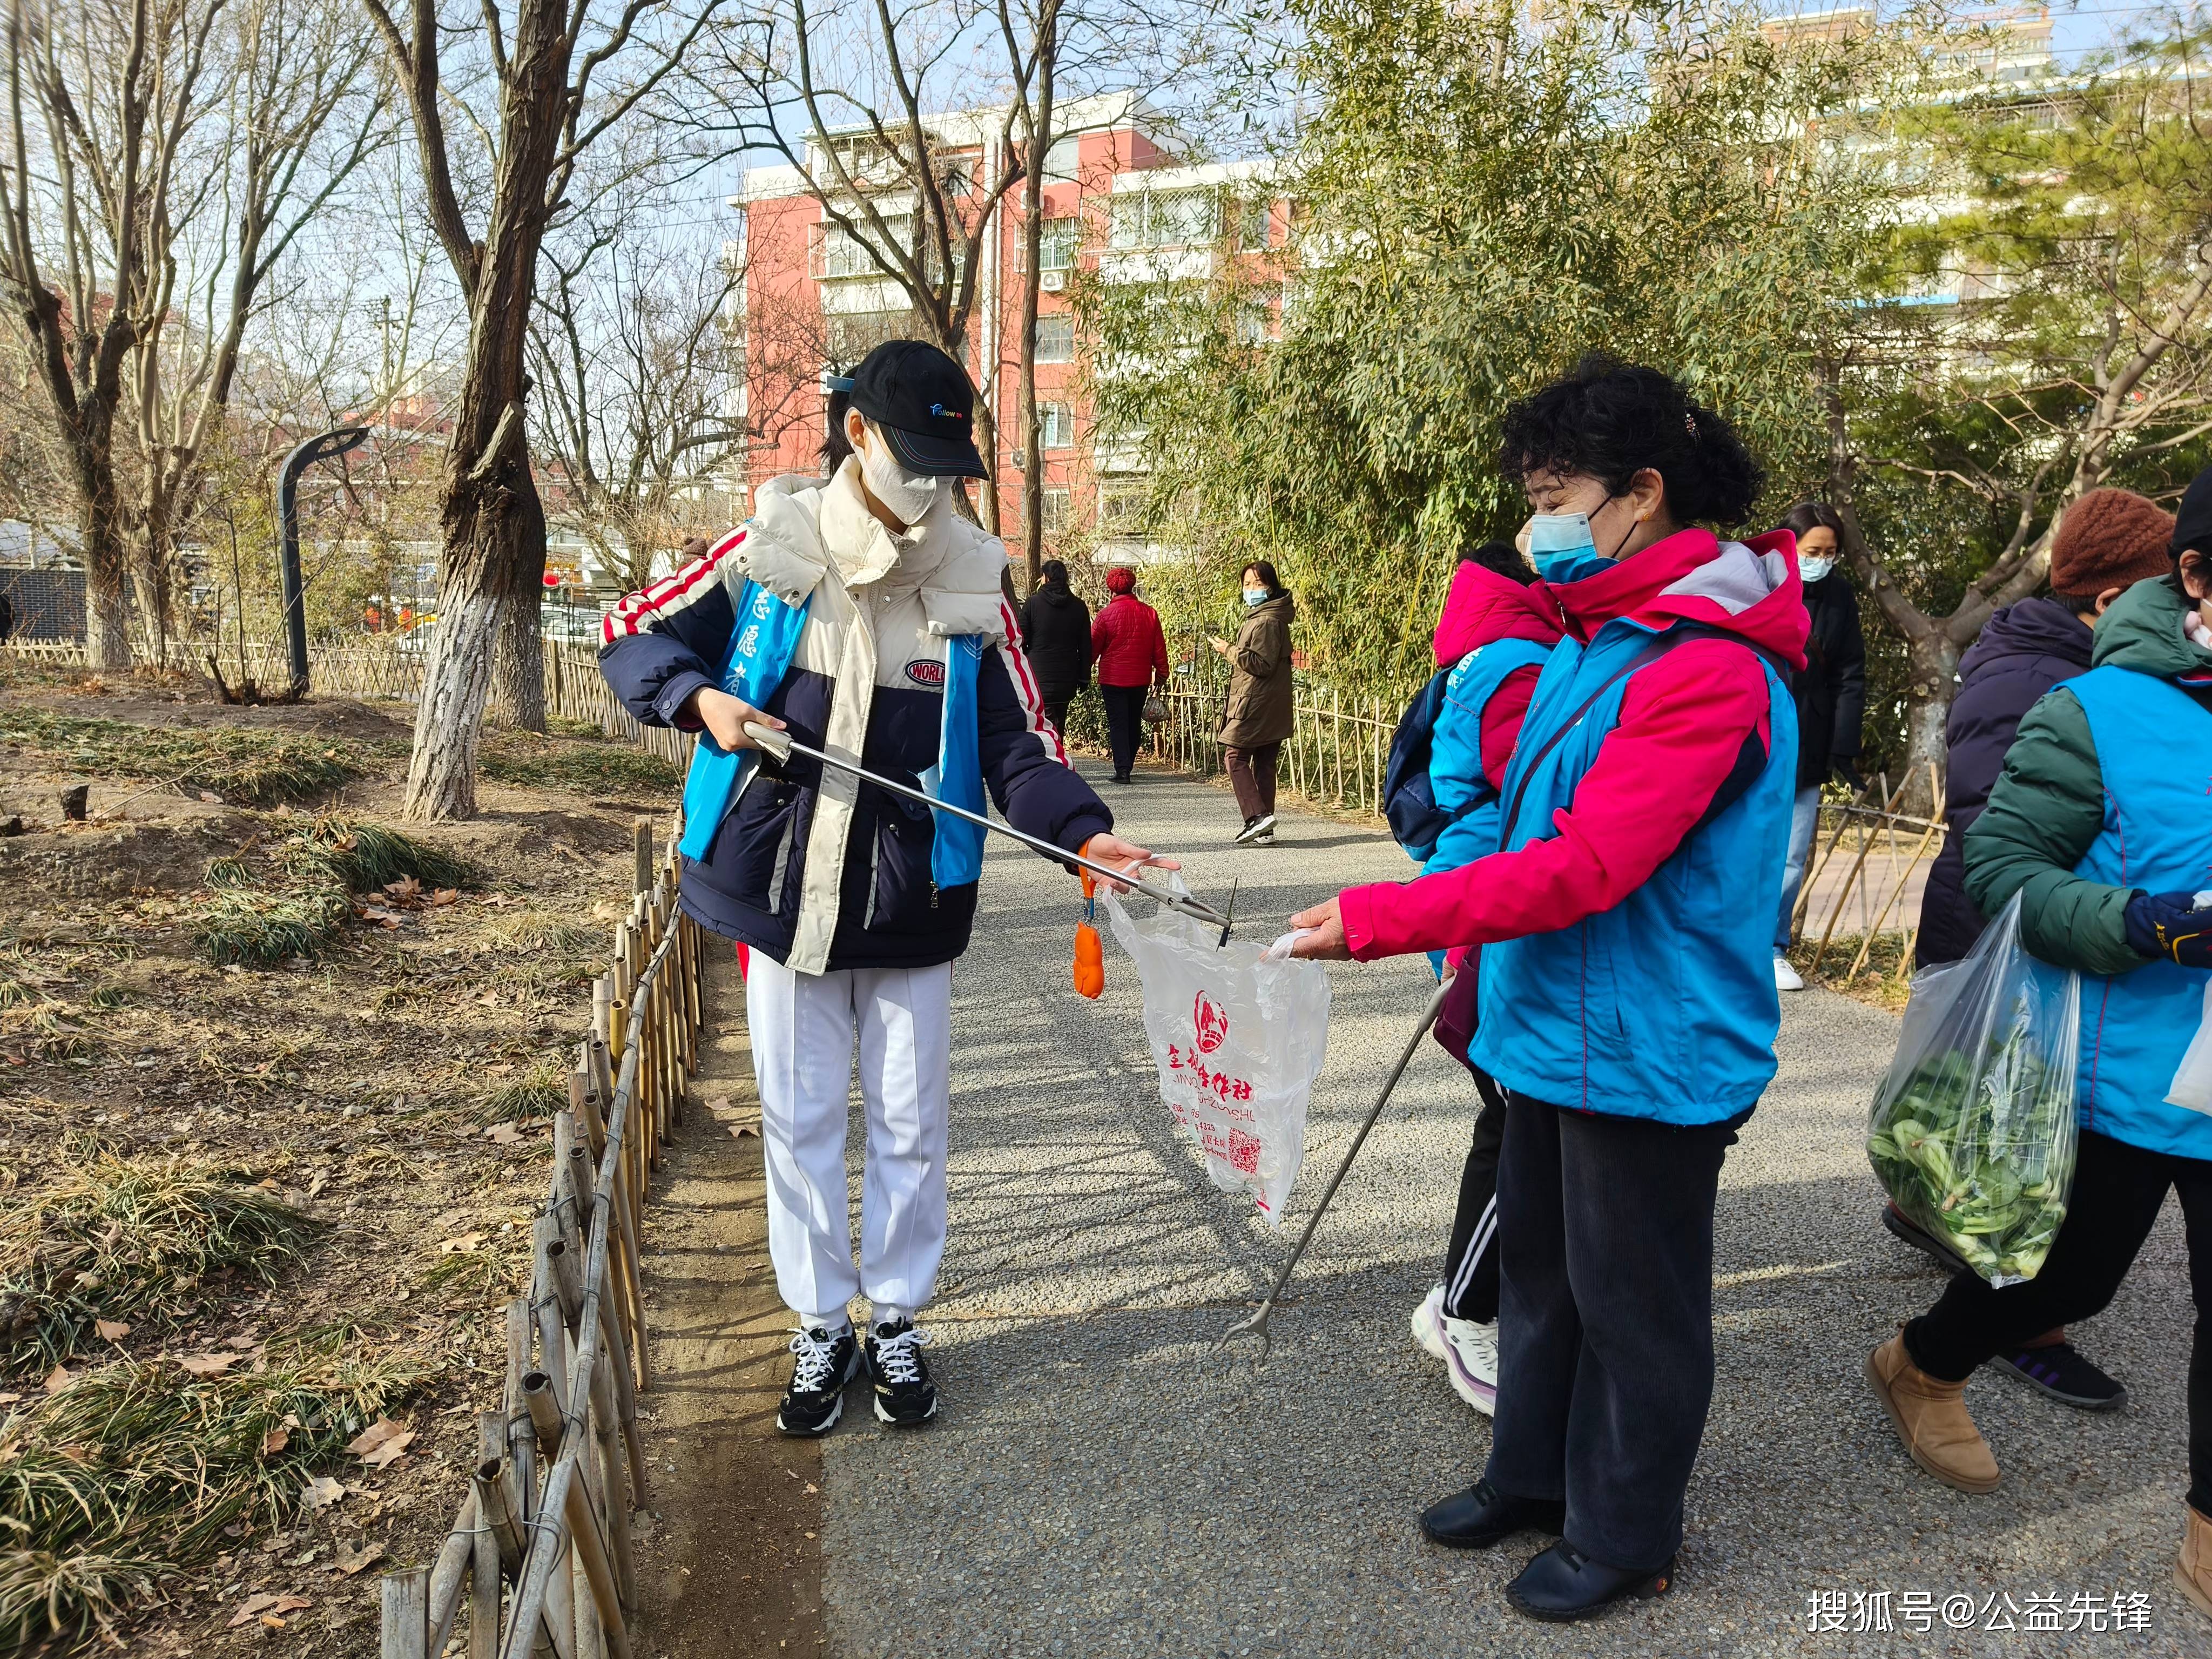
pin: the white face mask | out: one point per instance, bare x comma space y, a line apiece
1813, 567
910, 496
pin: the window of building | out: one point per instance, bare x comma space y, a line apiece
1056, 337
1184, 218
1126, 214
1255, 323
852, 334
1124, 509
1061, 159
838, 253
1053, 509
1058, 420
1057, 242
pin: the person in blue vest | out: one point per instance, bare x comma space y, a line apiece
1491, 638
1627, 998
862, 613
2101, 821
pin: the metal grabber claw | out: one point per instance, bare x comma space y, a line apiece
1255, 1323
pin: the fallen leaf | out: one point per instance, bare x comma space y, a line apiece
110, 1330
315, 1187
251, 1607
209, 1364
405, 888
464, 1242
389, 1452
719, 1104
504, 1135
9, 1399
275, 1440
57, 1379
349, 1564
322, 1492
243, 1344
375, 1434
739, 1131
444, 895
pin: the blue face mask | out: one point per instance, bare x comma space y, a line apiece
1555, 539
1255, 596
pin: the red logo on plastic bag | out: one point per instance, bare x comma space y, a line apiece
1209, 1023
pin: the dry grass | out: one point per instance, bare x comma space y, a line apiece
540, 1092
592, 766
298, 908
139, 1468
242, 765
1877, 983
130, 1241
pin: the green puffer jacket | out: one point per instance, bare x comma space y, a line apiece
2049, 804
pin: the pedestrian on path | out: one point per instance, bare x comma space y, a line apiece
2107, 541
1056, 634
2098, 823
1132, 653
1259, 712
1627, 1002
863, 612
1831, 698
1490, 641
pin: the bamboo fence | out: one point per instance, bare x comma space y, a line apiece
1869, 838
1335, 756
540, 1553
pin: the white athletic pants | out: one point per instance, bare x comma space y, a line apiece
802, 1028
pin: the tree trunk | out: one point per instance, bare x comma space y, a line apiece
106, 603
519, 666
1928, 707
986, 446
1032, 432
441, 772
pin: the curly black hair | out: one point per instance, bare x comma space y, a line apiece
1609, 420
1502, 557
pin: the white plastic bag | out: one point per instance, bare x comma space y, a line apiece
2192, 1083
1238, 1040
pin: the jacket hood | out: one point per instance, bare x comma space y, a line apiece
1483, 606
1750, 589
1279, 609
2145, 628
1054, 593
2033, 627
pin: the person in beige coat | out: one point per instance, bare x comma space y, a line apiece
1259, 713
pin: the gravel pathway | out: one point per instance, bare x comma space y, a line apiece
1102, 1482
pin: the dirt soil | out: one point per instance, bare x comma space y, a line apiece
731, 1560
355, 1086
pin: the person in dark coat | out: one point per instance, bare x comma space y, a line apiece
1831, 698
2107, 541
1056, 638
1260, 710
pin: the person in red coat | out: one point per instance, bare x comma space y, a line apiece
1132, 649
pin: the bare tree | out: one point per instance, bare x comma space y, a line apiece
537, 72
293, 121
636, 347
1035, 65
912, 196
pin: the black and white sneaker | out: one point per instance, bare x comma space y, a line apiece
904, 1394
822, 1365
1259, 832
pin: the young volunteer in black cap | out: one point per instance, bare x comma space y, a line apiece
864, 613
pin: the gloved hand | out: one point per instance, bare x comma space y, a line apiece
2169, 925
1842, 767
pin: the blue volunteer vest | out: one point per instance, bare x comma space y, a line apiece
1663, 1007
1455, 779
762, 642
2154, 752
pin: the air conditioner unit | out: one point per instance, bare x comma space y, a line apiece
1052, 281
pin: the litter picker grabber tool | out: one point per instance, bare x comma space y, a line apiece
782, 746
1255, 1324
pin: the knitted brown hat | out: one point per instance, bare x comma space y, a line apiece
2109, 538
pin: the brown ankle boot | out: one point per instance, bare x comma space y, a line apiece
1932, 1419
2193, 1572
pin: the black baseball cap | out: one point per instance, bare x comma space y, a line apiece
922, 402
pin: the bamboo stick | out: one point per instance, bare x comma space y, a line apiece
449, 1575
583, 1526
518, 1355
500, 1524
1850, 876
560, 1267
640, 831
544, 1414
406, 1631
1895, 893
483, 1592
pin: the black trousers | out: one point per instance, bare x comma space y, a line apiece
1055, 708
2118, 1190
1125, 723
1604, 1321
1471, 1258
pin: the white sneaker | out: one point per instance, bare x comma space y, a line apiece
1471, 1360
1428, 1325
1786, 978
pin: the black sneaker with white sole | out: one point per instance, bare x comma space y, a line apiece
821, 1366
1258, 832
904, 1394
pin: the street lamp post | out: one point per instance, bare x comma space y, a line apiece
319, 448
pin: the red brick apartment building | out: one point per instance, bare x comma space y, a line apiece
1117, 201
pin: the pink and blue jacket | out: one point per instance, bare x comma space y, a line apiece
1644, 822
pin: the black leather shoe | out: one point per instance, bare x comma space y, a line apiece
1483, 1516
1563, 1585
